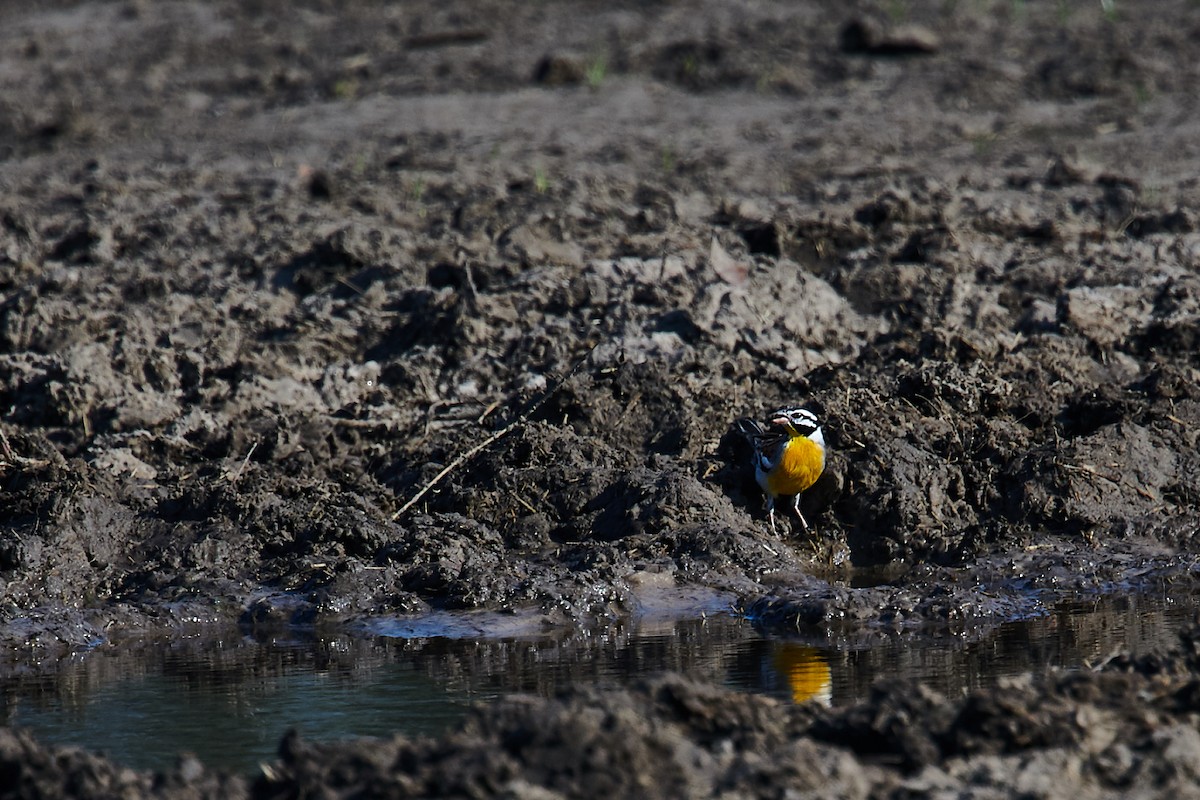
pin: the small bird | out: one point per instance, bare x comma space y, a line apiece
789, 455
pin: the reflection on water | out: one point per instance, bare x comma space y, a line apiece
229, 700
805, 671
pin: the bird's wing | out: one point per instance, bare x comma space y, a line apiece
750, 428
765, 441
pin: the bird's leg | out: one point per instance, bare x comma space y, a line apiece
796, 505
771, 512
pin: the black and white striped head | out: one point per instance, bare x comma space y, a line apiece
798, 421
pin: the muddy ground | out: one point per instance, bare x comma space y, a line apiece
315, 312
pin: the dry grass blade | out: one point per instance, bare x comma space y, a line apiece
464, 457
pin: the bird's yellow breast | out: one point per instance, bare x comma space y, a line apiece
801, 464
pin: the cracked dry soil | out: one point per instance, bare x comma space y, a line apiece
266, 270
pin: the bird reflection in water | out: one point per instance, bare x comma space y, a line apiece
805, 671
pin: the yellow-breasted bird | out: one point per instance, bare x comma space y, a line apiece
789, 455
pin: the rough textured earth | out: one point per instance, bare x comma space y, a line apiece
312, 312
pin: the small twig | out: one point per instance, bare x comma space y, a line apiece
1090, 470
349, 285
25, 463
433, 406
1118, 481
471, 282
1143, 492
463, 458
525, 503
487, 411
346, 422
12, 459
242, 467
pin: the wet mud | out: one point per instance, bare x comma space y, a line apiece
315, 314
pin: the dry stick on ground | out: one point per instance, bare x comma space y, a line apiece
463, 458
10, 458
242, 467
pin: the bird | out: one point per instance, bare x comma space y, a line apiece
789, 455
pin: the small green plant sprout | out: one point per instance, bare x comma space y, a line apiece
416, 196
897, 10
667, 159
346, 89
597, 70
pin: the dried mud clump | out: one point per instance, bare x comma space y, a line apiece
473, 363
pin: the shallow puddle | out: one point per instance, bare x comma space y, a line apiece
230, 700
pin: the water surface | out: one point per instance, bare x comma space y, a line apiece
229, 700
